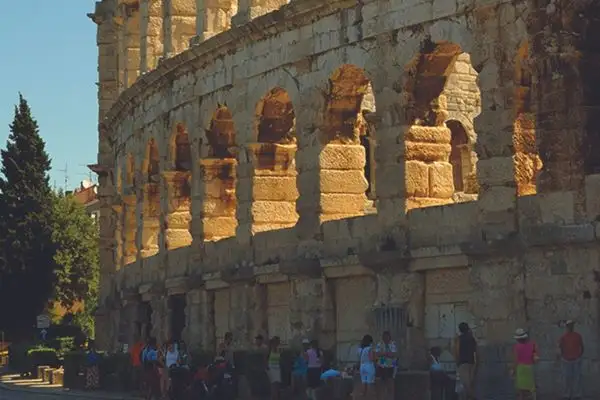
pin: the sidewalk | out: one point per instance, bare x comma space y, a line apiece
14, 382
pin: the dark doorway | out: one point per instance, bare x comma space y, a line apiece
146, 321
177, 304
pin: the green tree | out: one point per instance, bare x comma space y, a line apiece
26, 206
75, 236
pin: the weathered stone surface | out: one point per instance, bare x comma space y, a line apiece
251, 160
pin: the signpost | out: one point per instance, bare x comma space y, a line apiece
43, 321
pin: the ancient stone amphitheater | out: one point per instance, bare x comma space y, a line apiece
330, 168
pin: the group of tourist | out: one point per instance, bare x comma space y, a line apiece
525, 356
155, 366
377, 366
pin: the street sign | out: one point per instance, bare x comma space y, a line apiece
43, 321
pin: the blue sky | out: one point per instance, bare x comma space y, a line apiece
49, 54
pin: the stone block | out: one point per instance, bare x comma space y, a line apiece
178, 220
496, 171
416, 179
274, 188
217, 227
441, 180
274, 212
427, 152
428, 134
592, 197
348, 204
176, 238
342, 157
343, 181
557, 207
498, 198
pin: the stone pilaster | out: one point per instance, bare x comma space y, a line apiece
177, 210
151, 14
160, 318
129, 232
311, 310
213, 17
108, 48
250, 9
148, 244
429, 177
199, 330
118, 217
267, 199
129, 54
215, 201
179, 25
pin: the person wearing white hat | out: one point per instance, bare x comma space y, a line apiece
571, 353
525, 355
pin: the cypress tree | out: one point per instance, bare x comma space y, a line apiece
26, 217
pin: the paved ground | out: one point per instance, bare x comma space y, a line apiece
14, 395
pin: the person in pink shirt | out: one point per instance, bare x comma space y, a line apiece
525, 355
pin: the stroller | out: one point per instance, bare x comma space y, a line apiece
214, 382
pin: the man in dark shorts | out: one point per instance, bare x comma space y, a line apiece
386, 354
465, 353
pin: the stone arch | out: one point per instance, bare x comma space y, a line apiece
275, 118
348, 117
439, 79
220, 134
527, 162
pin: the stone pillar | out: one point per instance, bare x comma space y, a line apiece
342, 181
118, 217
199, 331
213, 17
149, 223
130, 227
495, 167
250, 9
160, 317
130, 45
215, 201
151, 34
429, 176
179, 25
267, 189
311, 310
177, 210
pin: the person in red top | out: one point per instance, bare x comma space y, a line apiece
136, 362
571, 353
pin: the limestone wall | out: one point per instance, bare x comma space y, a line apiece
253, 138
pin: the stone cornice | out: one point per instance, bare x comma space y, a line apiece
297, 13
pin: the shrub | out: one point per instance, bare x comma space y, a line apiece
63, 345
42, 356
18, 358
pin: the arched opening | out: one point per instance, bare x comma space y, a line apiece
183, 152
273, 184
459, 154
442, 93
526, 158
221, 134
276, 118
350, 104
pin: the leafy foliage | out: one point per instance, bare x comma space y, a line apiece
76, 239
